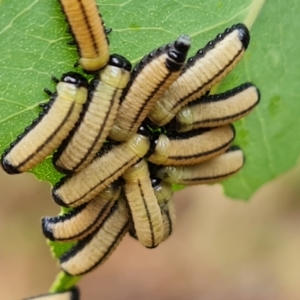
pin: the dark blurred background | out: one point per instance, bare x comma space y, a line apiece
220, 249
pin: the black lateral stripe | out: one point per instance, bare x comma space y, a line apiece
110, 248
149, 99
222, 96
187, 135
48, 233
90, 31
209, 178
147, 212
140, 66
34, 123
181, 157
65, 142
207, 82
82, 244
99, 133
101, 213
111, 175
224, 118
50, 138
169, 221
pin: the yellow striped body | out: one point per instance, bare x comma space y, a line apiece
82, 221
49, 131
88, 31
145, 211
192, 148
90, 181
211, 171
95, 249
217, 110
98, 118
208, 67
150, 78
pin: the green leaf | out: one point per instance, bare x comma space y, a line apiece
33, 43
33, 46
63, 282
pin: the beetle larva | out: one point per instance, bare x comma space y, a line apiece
53, 125
98, 116
149, 79
191, 147
145, 211
217, 110
83, 186
88, 31
202, 71
96, 248
83, 220
210, 171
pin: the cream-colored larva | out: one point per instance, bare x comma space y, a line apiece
84, 185
202, 71
83, 220
191, 147
149, 79
98, 117
163, 192
96, 248
47, 132
214, 170
145, 211
72, 294
88, 31
217, 110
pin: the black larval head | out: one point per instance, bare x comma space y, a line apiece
178, 52
120, 61
155, 182
75, 78
143, 130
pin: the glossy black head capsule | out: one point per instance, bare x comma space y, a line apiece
178, 52
75, 78
120, 62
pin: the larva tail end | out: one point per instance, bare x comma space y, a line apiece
59, 168
132, 233
233, 130
56, 197
152, 247
258, 94
244, 34
8, 167
47, 231
233, 148
237, 148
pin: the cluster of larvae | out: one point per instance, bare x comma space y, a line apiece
126, 136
